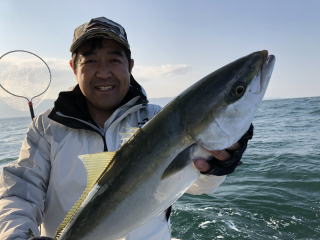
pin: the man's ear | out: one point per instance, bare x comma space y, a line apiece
131, 63
72, 66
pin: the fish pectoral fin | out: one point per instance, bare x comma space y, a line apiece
179, 162
95, 164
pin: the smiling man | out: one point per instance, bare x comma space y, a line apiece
103, 72
48, 178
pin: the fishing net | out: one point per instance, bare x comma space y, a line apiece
24, 78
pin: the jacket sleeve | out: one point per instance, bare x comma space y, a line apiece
209, 181
23, 186
206, 184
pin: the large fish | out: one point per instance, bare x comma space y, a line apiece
155, 166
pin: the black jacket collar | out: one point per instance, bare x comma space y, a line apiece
71, 106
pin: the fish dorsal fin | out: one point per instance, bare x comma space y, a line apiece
125, 136
95, 165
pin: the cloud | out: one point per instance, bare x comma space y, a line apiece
166, 80
31, 78
147, 73
62, 76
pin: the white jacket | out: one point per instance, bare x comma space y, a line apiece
47, 179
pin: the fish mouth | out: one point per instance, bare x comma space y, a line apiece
266, 71
259, 85
270, 59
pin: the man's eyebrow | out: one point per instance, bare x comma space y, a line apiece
112, 52
87, 53
116, 52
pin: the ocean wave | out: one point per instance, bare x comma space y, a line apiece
6, 160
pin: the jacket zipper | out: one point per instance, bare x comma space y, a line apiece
91, 127
98, 130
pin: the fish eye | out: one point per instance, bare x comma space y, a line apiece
239, 90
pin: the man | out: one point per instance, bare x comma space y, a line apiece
48, 178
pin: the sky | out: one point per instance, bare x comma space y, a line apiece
176, 42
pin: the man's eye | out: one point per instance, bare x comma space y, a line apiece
116, 60
89, 61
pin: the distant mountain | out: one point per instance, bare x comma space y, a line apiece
161, 101
8, 112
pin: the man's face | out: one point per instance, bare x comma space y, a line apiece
103, 74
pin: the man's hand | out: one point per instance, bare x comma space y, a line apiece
223, 162
203, 166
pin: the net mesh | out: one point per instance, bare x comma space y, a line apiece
23, 76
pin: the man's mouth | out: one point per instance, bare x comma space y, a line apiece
104, 88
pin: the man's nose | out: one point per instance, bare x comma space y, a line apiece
103, 71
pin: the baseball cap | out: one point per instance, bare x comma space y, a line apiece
100, 27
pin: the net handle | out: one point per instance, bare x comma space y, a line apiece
50, 76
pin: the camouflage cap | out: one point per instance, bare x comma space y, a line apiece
99, 28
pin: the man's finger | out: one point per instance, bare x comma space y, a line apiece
220, 154
202, 165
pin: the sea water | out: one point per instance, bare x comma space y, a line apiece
274, 194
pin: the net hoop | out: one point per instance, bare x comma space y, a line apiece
20, 96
